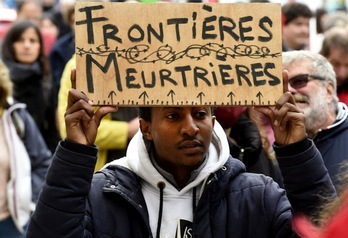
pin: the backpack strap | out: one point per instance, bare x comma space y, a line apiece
19, 124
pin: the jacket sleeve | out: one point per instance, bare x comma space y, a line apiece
306, 179
39, 154
61, 208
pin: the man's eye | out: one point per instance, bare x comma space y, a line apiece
173, 116
201, 114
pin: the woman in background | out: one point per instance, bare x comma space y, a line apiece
23, 53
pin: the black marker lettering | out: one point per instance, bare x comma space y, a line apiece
225, 76
262, 23
89, 68
109, 32
206, 28
177, 22
152, 84
242, 73
228, 29
200, 73
256, 73
165, 75
135, 30
183, 69
243, 30
275, 80
89, 21
150, 31
130, 78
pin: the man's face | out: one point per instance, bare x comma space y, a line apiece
181, 136
313, 99
296, 33
339, 61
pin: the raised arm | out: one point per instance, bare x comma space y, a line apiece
62, 204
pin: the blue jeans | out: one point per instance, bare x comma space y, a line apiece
9, 230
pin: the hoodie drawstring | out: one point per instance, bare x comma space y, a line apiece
193, 200
161, 185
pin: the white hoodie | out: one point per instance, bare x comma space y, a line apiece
177, 205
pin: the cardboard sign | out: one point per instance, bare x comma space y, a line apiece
176, 54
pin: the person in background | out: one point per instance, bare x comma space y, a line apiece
58, 11
177, 179
248, 140
295, 31
335, 49
312, 82
24, 160
48, 24
32, 10
23, 54
61, 53
115, 131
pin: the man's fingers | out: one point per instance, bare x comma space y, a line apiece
267, 111
75, 96
102, 111
73, 78
285, 81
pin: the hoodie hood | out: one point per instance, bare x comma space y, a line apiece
138, 160
336, 127
161, 196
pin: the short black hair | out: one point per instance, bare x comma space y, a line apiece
294, 10
145, 113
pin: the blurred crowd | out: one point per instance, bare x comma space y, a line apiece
37, 46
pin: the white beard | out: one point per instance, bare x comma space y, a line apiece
317, 111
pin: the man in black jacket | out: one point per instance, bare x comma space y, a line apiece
177, 179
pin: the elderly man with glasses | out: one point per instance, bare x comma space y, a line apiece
312, 82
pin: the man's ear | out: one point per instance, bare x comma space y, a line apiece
330, 92
145, 128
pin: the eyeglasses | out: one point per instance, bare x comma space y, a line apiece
301, 80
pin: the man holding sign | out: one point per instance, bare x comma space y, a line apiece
177, 179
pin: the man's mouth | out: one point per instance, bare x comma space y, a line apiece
190, 144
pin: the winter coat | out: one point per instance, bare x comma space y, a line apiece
332, 142
29, 162
229, 203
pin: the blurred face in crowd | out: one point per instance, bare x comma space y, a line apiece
339, 61
313, 97
27, 47
30, 11
296, 33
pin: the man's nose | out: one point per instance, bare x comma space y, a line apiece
189, 126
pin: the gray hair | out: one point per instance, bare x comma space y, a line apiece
320, 66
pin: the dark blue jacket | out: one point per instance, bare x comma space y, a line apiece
332, 143
74, 203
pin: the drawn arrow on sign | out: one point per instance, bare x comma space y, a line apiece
231, 95
111, 95
171, 94
259, 95
144, 95
200, 96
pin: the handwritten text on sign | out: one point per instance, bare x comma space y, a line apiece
179, 54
